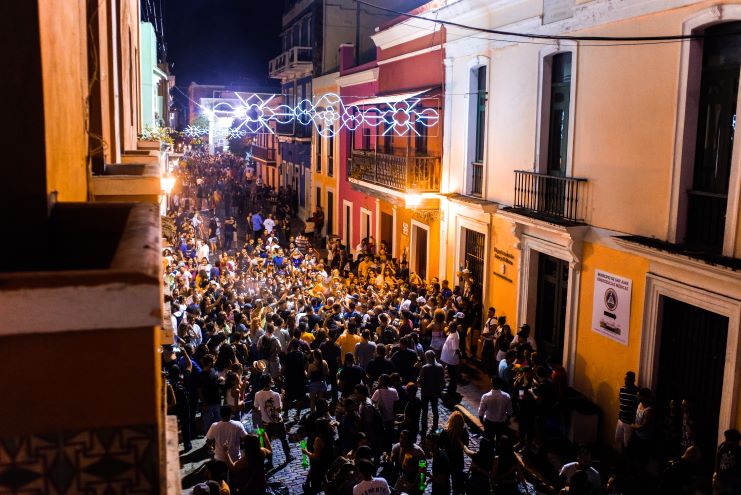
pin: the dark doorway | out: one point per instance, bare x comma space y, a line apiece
691, 365
387, 232
420, 252
550, 319
330, 213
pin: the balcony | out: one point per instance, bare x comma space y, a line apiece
398, 172
291, 63
128, 182
263, 154
294, 129
97, 288
551, 197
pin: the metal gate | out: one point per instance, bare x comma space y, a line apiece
474, 254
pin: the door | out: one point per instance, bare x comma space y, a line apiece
691, 365
348, 224
716, 122
387, 232
330, 213
419, 265
474, 254
550, 319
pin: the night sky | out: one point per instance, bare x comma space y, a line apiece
220, 41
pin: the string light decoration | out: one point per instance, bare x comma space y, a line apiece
193, 131
329, 114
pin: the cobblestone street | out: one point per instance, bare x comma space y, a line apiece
292, 474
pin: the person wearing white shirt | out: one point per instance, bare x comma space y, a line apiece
226, 431
451, 357
369, 484
269, 224
495, 409
583, 463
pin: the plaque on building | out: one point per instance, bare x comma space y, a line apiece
557, 10
611, 308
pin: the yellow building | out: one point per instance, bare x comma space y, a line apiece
80, 282
325, 162
603, 183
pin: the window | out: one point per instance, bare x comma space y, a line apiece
319, 150
420, 138
366, 139
477, 123
707, 198
330, 155
318, 197
388, 146
558, 118
481, 96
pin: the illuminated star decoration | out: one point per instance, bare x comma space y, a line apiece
328, 114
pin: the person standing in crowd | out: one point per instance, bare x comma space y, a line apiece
450, 355
227, 431
268, 403
495, 409
431, 382
256, 225
628, 404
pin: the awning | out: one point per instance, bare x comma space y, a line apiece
387, 99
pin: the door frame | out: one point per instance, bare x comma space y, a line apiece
658, 286
413, 246
327, 191
528, 290
365, 211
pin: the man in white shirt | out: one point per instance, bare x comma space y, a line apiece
269, 224
370, 485
451, 357
268, 403
226, 431
495, 409
583, 463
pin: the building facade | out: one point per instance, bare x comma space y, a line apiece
607, 203
82, 303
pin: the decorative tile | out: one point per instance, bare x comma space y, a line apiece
94, 462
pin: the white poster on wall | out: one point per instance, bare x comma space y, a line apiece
611, 309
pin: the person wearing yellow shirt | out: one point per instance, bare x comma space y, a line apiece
349, 339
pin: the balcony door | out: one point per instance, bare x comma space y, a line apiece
387, 232
550, 319
716, 122
551, 197
330, 213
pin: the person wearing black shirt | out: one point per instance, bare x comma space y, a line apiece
350, 376
404, 361
727, 476
380, 365
208, 392
332, 354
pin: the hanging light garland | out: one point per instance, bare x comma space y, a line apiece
329, 114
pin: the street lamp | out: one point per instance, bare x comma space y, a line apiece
167, 183
412, 200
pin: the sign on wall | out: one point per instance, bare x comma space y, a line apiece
611, 307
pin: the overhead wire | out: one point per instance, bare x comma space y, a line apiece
552, 37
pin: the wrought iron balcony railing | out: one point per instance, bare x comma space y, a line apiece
398, 172
548, 195
298, 58
264, 154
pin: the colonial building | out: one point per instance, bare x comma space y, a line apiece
595, 187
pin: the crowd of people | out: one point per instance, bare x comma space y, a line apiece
277, 328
